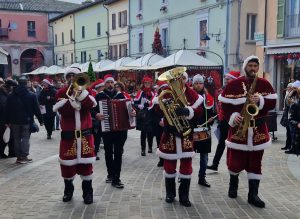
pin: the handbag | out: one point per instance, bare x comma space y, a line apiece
284, 121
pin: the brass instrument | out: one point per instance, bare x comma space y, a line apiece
248, 112
170, 100
81, 82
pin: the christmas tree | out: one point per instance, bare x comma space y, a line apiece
157, 46
91, 73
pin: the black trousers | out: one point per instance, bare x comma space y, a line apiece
288, 142
97, 139
49, 123
149, 137
223, 126
113, 147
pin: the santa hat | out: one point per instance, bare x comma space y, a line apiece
48, 81
160, 85
185, 75
146, 79
251, 58
296, 84
198, 78
108, 77
98, 83
72, 70
290, 85
233, 74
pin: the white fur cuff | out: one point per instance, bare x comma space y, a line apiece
83, 95
76, 105
232, 117
191, 113
261, 102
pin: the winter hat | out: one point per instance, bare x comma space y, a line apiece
296, 84
72, 70
10, 83
48, 81
198, 78
98, 83
233, 74
185, 75
289, 85
108, 77
146, 79
161, 84
251, 58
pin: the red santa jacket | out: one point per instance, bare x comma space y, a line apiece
233, 99
75, 115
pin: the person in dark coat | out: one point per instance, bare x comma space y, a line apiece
144, 120
295, 122
3, 98
21, 107
47, 101
204, 146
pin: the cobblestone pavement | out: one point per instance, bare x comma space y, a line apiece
35, 190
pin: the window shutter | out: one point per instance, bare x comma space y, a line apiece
280, 18
120, 19
125, 18
113, 18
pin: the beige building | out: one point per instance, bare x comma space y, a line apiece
118, 28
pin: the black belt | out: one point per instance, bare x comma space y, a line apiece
69, 135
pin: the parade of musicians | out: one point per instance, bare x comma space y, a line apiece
149, 109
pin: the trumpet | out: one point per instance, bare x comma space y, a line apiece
81, 82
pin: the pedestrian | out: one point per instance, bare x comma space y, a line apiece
22, 105
203, 146
173, 145
144, 120
76, 153
47, 101
113, 140
295, 121
3, 99
245, 151
223, 124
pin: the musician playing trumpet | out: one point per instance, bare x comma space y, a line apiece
246, 102
76, 153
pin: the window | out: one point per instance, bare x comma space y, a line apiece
113, 21
141, 42
251, 23
164, 37
122, 50
83, 56
202, 30
140, 5
55, 39
292, 18
71, 36
72, 58
164, 2
31, 29
98, 29
62, 38
56, 59
123, 19
113, 52
63, 59
99, 54
83, 32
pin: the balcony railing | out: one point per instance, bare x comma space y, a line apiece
293, 25
3, 32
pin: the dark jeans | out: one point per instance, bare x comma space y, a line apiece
288, 142
49, 123
149, 137
223, 126
97, 139
293, 133
203, 165
21, 135
113, 147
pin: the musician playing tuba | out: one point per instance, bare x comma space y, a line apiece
179, 104
246, 102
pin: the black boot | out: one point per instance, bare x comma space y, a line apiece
184, 190
252, 195
233, 186
202, 181
160, 162
69, 189
170, 189
87, 190
213, 167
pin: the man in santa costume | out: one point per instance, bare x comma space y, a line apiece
76, 153
174, 146
246, 153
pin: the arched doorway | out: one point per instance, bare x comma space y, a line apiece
30, 60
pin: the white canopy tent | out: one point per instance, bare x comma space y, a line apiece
144, 61
181, 58
3, 57
38, 71
85, 66
54, 69
117, 64
102, 64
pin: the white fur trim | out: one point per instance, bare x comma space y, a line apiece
244, 147
198, 102
182, 176
254, 176
271, 96
87, 160
75, 104
175, 156
59, 104
237, 101
248, 59
93, 100
73, 162
170, 175
232, 117
153, 102
109, 79
83, 95
87, 178
261, 102
72, 178
250, 137
191, 113
233, 173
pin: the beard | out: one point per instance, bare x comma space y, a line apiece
251, 74
110, 88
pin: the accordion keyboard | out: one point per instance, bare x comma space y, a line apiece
103, 109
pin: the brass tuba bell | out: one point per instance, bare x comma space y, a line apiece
81, 82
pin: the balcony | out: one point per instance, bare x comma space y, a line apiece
3, 32
293, 26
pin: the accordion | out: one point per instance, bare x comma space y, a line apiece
117, 115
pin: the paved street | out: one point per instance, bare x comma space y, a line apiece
35, 190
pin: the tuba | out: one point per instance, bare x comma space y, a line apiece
249, 111
81, 82
170, 100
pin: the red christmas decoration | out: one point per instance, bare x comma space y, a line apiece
157, 46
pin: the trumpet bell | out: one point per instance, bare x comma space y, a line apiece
252, 110
172, 74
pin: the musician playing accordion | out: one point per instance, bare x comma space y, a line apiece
113, 140
246, 152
